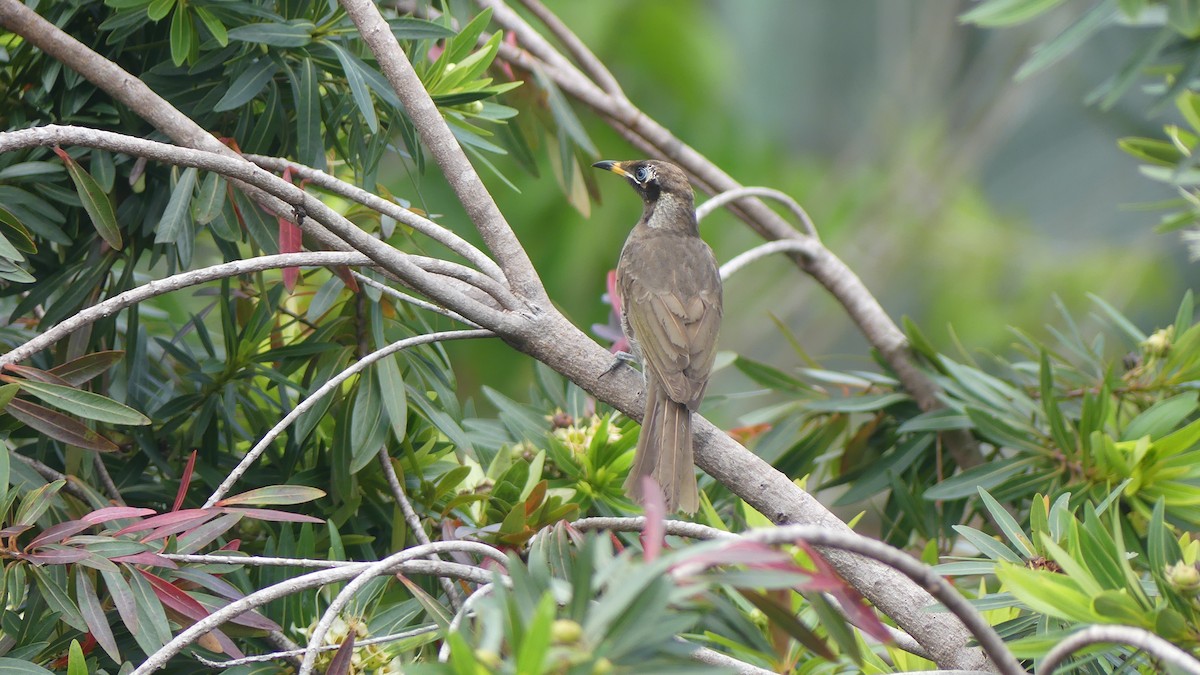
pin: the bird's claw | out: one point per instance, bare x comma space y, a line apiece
619, 358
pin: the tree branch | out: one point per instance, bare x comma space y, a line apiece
414, 522
175, 282
1133, 636
380, 252
440, 142
425, 226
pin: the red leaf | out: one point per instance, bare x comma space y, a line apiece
273, 515
80, 370
54, 555
340, 664
656, 512
115, 513
184, 481
146, 558
164, 519
174, 598
14, 530
34, 374
290, 241
59, 426
56, 533
347, 278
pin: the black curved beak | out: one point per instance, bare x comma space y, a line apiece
609, 165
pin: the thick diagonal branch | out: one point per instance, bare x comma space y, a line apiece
444, 148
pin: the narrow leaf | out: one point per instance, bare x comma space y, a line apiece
95, 201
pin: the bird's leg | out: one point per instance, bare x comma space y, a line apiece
619, 358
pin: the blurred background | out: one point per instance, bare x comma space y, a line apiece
964, 199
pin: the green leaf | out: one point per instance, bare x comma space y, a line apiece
290, 34
1048, 53
183, 32
36, 502
353, 67
16, 233
1184, 16
1060, 430
275, 495
1008, 525
57, 598
247, 85
211, 200
213, 24
95, 201
536, 643
1118, 318
84, 403
92, 611
865, 403
394, 394
1048, 593
986, 476
408, 28
77, 662
367, 432
987, 545
173, 221
1161, 418
1007, 12
11, 666
159, 9
1152, 150
311, 145
770, 376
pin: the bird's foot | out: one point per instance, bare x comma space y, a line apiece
621, 357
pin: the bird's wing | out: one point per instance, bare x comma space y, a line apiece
677, 336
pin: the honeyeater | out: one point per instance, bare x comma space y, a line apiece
671, 313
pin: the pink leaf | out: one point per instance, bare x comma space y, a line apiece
115, 513
167, 519
273, 515
146, 558
656, 513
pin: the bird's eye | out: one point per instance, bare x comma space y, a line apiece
641, 174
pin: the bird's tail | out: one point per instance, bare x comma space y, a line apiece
664, 451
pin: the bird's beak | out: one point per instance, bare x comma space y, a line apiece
609, 165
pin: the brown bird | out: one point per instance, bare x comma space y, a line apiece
671, 312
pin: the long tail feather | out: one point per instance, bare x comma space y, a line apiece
664, 451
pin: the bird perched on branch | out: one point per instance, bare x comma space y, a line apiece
671, 313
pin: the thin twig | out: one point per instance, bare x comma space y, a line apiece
736, 263
363, 578
414, 521
175, 282
295, 585
1142, 639
730, 196
414, 301
425, 226
325, 389
386, 256
591, 66
468, 607
106, 480
71, 486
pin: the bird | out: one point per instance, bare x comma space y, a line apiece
670, 289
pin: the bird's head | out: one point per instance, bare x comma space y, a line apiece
653, 179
